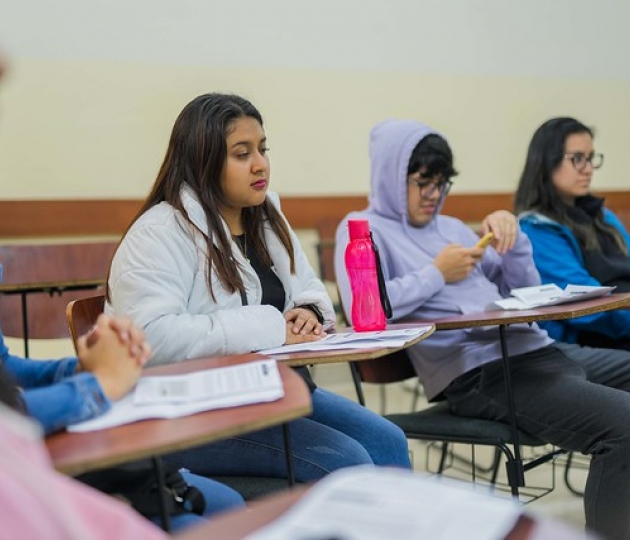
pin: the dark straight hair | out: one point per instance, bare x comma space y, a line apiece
536, 191
195, 157
434, 153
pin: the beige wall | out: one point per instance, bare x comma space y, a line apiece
92, 93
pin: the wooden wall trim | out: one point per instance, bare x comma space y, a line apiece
50, 218
110, 217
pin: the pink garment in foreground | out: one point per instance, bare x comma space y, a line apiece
38, 502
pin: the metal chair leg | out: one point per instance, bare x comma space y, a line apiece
288, 454
383, 396
567, 480
356, 379
514, 467
416, 396
158, 467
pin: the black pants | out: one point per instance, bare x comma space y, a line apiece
576, 398
595, 339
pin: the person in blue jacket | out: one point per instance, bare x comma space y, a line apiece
58, 393
576, 239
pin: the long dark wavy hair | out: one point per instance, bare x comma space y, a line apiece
195, 157
536, 191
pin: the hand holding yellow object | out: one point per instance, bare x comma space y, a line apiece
485, 241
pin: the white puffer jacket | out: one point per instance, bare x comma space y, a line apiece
158, 280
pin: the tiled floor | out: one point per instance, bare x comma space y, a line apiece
559, 503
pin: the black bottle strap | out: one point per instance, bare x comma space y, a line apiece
387, 307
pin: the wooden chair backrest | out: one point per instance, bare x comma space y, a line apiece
30, 263
82, 314
326, 231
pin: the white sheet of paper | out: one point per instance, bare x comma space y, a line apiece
209, 384
370, 503
548, 295
162, 397
355, 340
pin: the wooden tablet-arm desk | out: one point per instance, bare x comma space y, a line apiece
347, 355
503, 318
559, 312
75, 453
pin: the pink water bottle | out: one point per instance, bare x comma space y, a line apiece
367, 311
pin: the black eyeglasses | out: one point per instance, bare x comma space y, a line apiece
580, 160
429, 187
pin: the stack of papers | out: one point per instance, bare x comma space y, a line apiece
356, 340
370, 503
172, 396
548, 295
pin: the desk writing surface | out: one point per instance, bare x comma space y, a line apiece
51, 286
41, 305
548, 313
346, 355
74, 453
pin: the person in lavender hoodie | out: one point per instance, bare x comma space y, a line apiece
570, 396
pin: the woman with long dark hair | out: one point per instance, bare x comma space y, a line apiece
211, 267
576, 239
58, 393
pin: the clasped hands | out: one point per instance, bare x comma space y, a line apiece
114, 351
302, 325
456, 262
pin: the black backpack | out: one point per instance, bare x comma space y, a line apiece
136, 483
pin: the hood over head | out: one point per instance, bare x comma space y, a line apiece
391, 144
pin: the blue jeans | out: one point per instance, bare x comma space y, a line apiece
218, 498
339, 433
577, 398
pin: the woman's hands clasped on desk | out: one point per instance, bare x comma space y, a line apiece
302, 326
115, 352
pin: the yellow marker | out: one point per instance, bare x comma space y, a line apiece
485, 241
